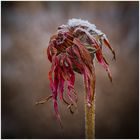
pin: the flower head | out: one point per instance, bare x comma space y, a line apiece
73, 49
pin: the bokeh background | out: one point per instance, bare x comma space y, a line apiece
26, 29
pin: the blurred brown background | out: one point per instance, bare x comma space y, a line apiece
26, 28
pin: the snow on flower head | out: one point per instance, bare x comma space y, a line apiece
73, 49
79, 22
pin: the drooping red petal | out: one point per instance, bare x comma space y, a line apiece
61, 89
50, 74
61, 85
87, 69
100, 56
103, 62
54, 82
109, 46
70, 83
57, 113
84, 53
49, 53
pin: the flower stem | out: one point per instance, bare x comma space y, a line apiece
90, 120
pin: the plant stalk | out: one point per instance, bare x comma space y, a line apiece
90, 110
90, 120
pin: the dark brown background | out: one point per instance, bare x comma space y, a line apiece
26, 28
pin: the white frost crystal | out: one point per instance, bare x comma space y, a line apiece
79, 22
76, 22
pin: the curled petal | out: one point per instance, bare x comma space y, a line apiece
70, 84
84, 54
55, 94
89, 81
50, 74
106, 42
100, 56
57, 113
49, 53
61, 86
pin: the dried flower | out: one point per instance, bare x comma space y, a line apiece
72, 49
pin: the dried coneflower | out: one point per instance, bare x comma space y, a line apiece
73, 49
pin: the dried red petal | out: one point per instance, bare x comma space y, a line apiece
109, 46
